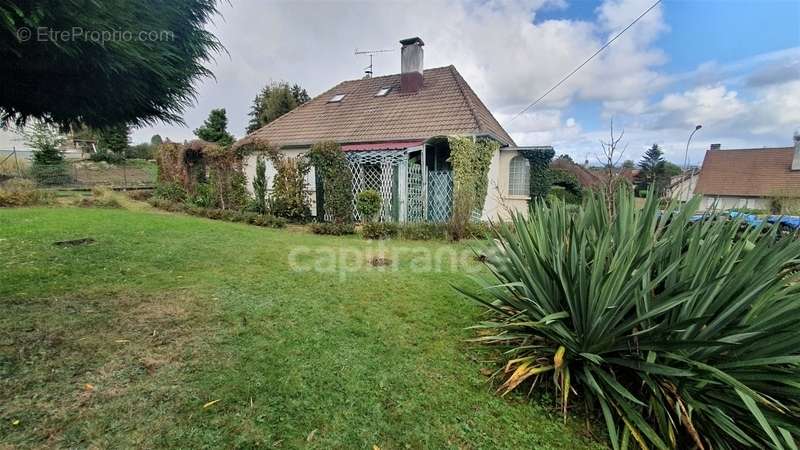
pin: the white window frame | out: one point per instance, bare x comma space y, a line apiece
519, 176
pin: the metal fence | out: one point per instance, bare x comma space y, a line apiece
79, 174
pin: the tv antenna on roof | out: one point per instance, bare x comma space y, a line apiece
368, 70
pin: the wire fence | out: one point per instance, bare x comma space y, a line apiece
79, 174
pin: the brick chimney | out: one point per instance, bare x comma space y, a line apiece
411, 65
716, 146
796, 160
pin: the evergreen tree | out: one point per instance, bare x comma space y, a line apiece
135, 81
565, 157
275, 100
260, 185
650, 165
655, 171
628, 164
156, 140
114, 139
215, 128
48, 165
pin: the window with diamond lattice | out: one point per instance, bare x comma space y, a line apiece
519, 175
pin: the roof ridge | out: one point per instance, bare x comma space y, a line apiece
474, 97
392, 74
459, 81
721, 150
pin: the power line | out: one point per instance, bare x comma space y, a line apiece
585, 62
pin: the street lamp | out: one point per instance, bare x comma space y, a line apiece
686, 162
686, 155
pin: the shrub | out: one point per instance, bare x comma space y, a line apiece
335, 178
102, 197
102, 155
266, 220
470, 160
333, 228
140, 194
289, 189
259, 203
463, 206
14, 193
379, 230
170, 191
48, 166
204, 196
368, 204
423, 231
262, 220
140, 151
681, 336
478, 230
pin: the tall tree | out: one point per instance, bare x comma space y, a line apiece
215, 128
48, 165
102, 62
275, 100
156, 140
565, 157
45, 140
114, 139
650, 164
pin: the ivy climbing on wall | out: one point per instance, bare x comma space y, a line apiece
331, 169
470, 161
541, 178
572, 187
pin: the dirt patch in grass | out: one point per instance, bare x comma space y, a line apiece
66, 362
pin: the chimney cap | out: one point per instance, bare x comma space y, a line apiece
412, 40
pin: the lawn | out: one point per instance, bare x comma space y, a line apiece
174, 331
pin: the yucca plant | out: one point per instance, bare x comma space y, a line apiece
679, 335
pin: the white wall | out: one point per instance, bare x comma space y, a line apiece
725, 202
250, 174
499, 204
684, 190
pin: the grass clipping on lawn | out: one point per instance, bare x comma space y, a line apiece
680, 335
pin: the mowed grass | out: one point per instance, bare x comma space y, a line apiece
125, 342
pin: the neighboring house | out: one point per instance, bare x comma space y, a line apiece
681, 187
749, 178
393, 130
12, 140
586, 178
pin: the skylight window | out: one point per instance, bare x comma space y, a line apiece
383, 91
336, 98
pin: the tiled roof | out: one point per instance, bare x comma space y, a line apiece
445, 105
585, 177
749, 173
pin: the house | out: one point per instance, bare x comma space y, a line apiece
585, 177
749, 178
681, 187
393, 130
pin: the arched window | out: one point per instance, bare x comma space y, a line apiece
519, 176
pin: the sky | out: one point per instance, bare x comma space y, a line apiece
731, 66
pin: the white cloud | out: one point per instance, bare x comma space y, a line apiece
506, 56
509, 57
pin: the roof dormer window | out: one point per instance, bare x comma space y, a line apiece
336, 98
383, 91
